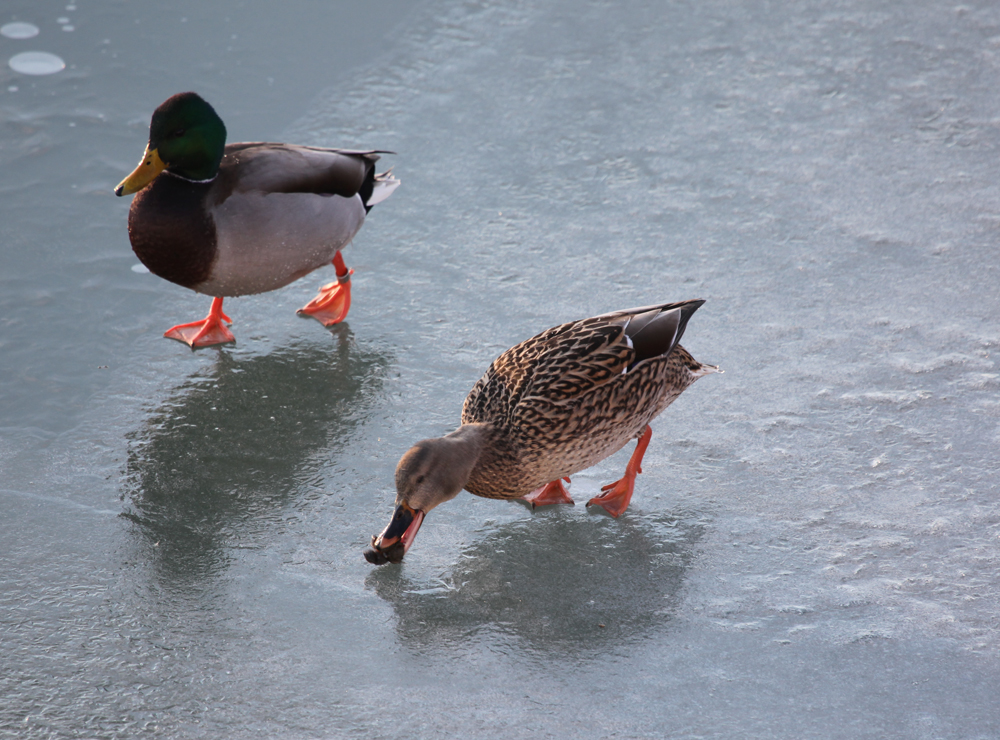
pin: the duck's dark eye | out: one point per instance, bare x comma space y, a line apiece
419, 480
179, 133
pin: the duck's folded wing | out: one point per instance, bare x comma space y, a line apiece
569, 361
553, 367
286, 168
573, 359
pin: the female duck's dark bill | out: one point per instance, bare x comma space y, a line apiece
393, 554
396, 538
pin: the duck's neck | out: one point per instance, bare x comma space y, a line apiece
465, 445
461, 451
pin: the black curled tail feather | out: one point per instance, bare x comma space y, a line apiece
368, 185
655, 332
373, 182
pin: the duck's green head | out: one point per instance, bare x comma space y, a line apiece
186, 137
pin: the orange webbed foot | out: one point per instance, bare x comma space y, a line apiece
333, 302
209, 331
550, 493
616, 496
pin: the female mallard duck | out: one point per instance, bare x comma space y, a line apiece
228, 220
552, 405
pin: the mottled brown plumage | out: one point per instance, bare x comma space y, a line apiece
548, 407
178, 244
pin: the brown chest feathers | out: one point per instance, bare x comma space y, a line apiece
172, 232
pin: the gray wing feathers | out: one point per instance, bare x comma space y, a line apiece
285, 168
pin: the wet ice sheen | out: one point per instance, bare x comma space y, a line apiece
813, 544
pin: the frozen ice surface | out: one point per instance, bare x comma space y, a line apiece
813, 547
821, 175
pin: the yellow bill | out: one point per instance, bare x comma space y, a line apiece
149, 167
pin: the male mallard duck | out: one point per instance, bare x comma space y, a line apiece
228, 220
552, 405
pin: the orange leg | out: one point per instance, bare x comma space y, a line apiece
334, 300
617, 495
210, 330
550, 493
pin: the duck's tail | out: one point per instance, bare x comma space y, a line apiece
708, 370
377, 188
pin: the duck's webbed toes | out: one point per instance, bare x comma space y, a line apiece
333, 302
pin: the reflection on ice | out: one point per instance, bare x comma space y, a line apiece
556, 582
228, 450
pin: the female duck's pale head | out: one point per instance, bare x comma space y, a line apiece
186, 137
431, 472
